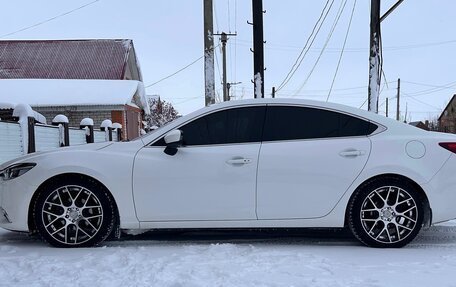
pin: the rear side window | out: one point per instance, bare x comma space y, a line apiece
290, 123
238, 125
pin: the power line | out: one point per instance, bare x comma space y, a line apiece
215, 16
235, 44
229, 16
178, 71
427, 85
218, 68
48, 20
275, 46
336, 21
434, 90
303, 53
419, 101
342, 52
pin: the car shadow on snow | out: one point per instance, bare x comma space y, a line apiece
434, 236
273, 236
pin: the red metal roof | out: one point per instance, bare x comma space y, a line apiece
64, 59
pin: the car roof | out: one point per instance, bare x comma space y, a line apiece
310, 103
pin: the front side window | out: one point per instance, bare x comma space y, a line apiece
238, 125
291, 123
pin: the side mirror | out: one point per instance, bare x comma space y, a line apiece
173, 140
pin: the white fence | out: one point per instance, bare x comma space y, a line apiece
10, 141
45, 137
99, 136
77, 137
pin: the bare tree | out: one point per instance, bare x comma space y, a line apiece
161, 113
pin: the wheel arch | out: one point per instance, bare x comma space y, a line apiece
78, 176
427, 220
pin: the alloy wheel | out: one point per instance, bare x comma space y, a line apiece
389, 214
72, 214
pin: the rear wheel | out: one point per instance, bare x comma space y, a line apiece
74, 213
386, 212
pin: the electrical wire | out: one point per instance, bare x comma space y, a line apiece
48, 20
310, 39
336, 21
419, 101
235, 44
218, 67
429, 85
178, 71
216, 17
342, 52
274, 46
229, 16
434, 90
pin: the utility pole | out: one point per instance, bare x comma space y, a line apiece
273, 92
374, 58
258, 49
398, 97
375, 68
209, 75
224, 39
386, 107
406, 111
228, 87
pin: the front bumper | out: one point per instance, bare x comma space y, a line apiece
15, 197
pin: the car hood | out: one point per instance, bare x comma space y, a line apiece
30, 157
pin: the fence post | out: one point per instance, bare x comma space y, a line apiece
106, 126
63, 121
118, 127
31, 134
87, 124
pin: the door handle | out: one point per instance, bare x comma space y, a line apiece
352, 153
239, 161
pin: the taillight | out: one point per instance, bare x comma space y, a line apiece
449, 146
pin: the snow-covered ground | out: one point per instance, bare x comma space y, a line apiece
312, 258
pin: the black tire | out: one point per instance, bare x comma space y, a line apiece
74, 212
386, 212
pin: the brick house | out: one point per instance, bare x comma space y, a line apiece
447, 119
121, 101
421, 125
47, 73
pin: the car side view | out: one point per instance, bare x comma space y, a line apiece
264, 163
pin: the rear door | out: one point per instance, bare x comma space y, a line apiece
308, 159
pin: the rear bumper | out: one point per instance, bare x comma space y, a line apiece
441, 192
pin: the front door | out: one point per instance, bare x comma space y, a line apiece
212, 176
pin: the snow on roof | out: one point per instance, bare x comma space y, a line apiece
53, 93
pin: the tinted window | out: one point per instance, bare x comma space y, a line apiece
288, 123
240, 125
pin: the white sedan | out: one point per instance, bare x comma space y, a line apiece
270, 163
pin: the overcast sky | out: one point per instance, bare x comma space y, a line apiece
418, 46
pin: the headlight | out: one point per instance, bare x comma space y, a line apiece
15, 170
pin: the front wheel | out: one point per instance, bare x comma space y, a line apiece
386, 213
74, 213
